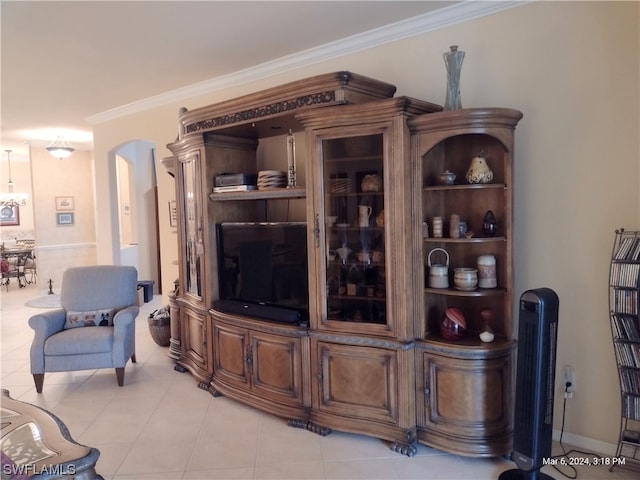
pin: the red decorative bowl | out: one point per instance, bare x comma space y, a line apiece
453, 325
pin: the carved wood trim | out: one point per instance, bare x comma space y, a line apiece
322, 431
363, 341
465, 351
284, 101
260, 112
296, 423
409, 449
258, 325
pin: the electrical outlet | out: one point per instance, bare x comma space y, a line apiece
569, 383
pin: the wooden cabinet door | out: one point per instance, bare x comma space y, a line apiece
275, 362
356, 381
231, 359
195, 348
464, 405
360, 183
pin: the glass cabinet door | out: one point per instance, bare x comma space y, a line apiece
354, 225
192, 225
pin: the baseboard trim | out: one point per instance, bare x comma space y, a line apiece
585, 443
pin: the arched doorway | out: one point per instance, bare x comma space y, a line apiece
136, 204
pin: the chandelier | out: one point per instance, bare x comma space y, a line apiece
9, 198
60, 149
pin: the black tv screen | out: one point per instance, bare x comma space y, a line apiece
263, 263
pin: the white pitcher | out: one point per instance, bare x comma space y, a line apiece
364, 215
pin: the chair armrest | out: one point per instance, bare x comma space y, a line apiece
124, 335
125, 317
47, 323
44, 325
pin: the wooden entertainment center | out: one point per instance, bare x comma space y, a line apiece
371, 358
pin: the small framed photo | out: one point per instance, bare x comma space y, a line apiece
10, 215
65, 203
173, 214
64, 218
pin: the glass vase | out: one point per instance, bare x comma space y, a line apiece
453, 61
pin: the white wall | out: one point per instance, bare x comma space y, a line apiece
573, 69
62, 246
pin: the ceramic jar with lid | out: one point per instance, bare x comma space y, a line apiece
487, 271
447, 178
465, 278
438, 273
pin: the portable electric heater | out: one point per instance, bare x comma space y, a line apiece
535, 379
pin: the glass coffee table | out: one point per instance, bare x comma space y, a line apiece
36, 444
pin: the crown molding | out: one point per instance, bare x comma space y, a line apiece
444, 17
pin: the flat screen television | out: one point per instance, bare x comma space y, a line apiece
262, 270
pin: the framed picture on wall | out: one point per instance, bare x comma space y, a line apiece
64, 218
10, 215
65, 203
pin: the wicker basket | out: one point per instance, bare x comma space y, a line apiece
160, 329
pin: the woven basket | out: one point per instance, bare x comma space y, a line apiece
160, 329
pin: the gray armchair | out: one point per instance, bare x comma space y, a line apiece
95, 328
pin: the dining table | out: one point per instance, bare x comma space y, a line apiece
14, 260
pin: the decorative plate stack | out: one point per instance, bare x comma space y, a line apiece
340, 185
271, 179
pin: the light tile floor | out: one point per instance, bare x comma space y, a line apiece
160, 426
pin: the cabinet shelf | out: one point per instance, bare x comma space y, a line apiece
474, 186
465, 240
469, 342
480, 292
356, 264
272, 194
359, 298
331, 194
350, 159
352, 227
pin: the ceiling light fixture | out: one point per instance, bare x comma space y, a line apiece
60, 149
9, 198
